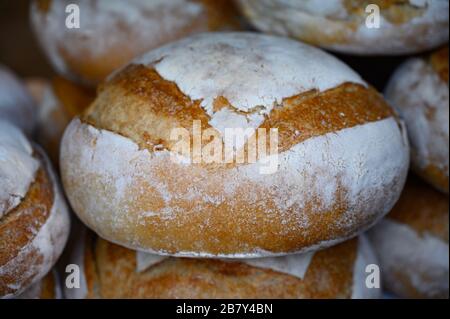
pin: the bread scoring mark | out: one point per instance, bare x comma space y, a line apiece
247, 69
326, 188
329, 276
138, 103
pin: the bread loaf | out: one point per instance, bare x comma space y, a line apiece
339, 164
34, 222
112, 32
412, 243
111, 271
419, 90
375, 27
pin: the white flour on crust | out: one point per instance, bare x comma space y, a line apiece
48, 243
422, 99
249, 70
17, 167
301, 18
422, 259
109, 24
352, 158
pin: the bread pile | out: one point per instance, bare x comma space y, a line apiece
226, 164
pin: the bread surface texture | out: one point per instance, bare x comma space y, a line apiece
112, 32
332, 179
35, 225
419, 91
110, 271
380, 27
412, 243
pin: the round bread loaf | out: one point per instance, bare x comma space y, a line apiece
34, 221
58, 102
412, 243
47, 288
350, 26
16, 104
336, 163
419, 90
112, 32
111, 271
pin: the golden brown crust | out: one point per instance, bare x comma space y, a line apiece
423, 208
34, 209
20, 226
138, 103
329, 275
439, 62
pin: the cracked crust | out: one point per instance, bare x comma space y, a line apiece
342, 156
139, 104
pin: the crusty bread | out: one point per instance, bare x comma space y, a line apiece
111, 271
58, 102
120, 30
419, 90
412, 243
406, 26
341, 164
16, 104
34, 221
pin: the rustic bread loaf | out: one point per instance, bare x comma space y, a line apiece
419, 90
412, 243
405, 26
34, 221
112, 32
111, 271
339, 164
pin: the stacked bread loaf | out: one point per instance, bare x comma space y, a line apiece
226, 164
412, 242
34, 221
